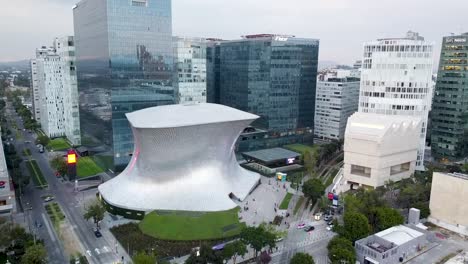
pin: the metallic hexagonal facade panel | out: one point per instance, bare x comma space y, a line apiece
183, 160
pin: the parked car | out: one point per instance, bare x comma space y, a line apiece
309, 228
97, 233
330, 227
48, 198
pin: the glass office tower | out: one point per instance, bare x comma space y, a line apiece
274, 77
450, 107
125, 63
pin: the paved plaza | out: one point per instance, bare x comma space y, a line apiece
260, 205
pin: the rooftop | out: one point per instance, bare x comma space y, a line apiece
179, 115
399, 235
458, 175
271, 155
373, 127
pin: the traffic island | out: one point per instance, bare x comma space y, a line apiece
36, 174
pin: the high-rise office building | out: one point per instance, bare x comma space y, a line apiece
450, 107
190, 69
336, 100
125, 63
55, 90
396, 79
272, 76
213, 70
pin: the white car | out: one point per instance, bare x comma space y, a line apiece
330, 227
48, 199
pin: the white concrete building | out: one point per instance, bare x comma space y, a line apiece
57, 90
336, 99
448, 204
190, 65
35, 91
379, 148
396, 79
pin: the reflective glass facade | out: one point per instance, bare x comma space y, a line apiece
124, 63
450, 107
273, 77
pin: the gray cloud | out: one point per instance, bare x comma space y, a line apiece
341, 25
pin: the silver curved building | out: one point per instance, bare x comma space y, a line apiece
183, 160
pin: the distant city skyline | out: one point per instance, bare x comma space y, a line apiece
341, 25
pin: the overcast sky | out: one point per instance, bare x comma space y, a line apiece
341, 25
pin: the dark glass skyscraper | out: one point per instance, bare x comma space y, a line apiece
450, 107
274, 77
125, 63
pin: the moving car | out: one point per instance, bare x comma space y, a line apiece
301, 225
97, 233
48, 198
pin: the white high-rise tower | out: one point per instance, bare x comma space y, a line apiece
396, 79
55, 90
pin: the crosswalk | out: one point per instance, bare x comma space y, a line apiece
315, 237
98, 251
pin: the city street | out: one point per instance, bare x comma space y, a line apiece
97, 250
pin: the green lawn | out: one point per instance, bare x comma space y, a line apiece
58, 144
285, 203
36, 174
105, 162
300, 202
87, 167
27, 152
181, 225
300, 148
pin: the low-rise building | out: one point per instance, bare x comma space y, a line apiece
448, 204
394, 245
7, 193
380, 148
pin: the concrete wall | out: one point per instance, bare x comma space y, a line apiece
448, 204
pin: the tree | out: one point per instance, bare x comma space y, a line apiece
34, 255
387, 217
313, 189
143, 258
355, 226
340, 242
43, 140
258, 238
265, 258
233, 250
96, 212
341, 256
310, 161
59, 164
205, 255
302, 258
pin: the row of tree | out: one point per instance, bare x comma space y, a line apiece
22, 247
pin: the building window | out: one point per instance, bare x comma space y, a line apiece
400, 168
361, 171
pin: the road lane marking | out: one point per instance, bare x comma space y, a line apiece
49, 230
97, 251
105, 249
88, 252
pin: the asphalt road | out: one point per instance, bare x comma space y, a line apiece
97, 250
